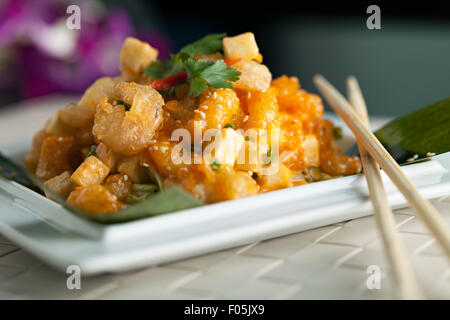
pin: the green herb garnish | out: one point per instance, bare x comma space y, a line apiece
200, 73
215, 165
123, 103
92, 151
230, 125
206, 45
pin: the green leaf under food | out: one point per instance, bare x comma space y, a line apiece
170, 200
206, 45
155, 177
165, 201
12, 171
424, 132
141, 192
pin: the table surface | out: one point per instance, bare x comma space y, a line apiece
326, 263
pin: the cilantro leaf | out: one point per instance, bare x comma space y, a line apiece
215, 165
92, 151
217, 75
220, 74
200, 73
127, 106
195, 68
197, 86
206, 45
209, 44
158, 69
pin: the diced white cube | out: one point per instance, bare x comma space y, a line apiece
60, 184
252, 156
136, 54
225, 147
91, 171
242, 46
254, 76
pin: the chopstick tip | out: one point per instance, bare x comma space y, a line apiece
351, 80
317, 77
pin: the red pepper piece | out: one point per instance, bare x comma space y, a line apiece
168, 82
173, 80
229, 62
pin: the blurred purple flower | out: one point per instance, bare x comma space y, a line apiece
46, 57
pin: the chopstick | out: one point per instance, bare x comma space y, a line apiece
408, 287
424, 210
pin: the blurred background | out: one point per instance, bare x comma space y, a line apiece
401, 67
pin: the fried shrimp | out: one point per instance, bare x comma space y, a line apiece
81, 114
128, 131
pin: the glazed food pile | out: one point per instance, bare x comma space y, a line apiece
210, 119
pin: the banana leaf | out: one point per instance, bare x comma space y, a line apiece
163, 202
11, 171
419, 134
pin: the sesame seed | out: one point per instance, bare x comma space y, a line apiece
430, 154
202, 115
246, 118
219, 106
164, 149
125, 177
415, 156
155, 148
145, 165
220, 99
168, 168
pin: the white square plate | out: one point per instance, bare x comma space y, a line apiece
60, 238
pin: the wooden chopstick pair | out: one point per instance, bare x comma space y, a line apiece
373, 155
